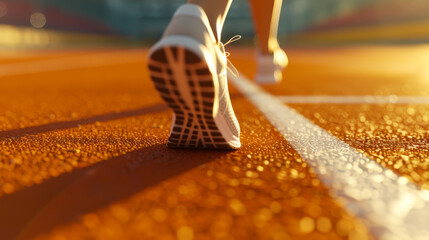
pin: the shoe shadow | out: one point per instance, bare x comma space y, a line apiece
17, 133
57, 201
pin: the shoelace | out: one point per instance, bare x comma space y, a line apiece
232, 69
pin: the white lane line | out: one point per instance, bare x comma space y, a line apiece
70, 63
392, 207
392, 99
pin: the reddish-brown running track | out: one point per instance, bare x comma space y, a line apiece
83, 156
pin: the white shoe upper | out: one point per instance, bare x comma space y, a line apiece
191, 21
270, 67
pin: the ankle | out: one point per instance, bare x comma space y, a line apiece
190, 20
268, 47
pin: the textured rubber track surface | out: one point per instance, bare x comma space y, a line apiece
84, 157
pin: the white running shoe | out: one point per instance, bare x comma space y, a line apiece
188, 68
270, 67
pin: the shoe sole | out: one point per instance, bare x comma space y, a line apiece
185, 82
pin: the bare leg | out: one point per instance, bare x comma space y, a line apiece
266, 15
216, 11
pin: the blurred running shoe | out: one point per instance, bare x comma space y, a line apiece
188, 68
270, 67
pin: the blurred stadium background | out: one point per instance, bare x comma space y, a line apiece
91, 23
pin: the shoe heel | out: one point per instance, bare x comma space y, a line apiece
268, 78
190, 93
